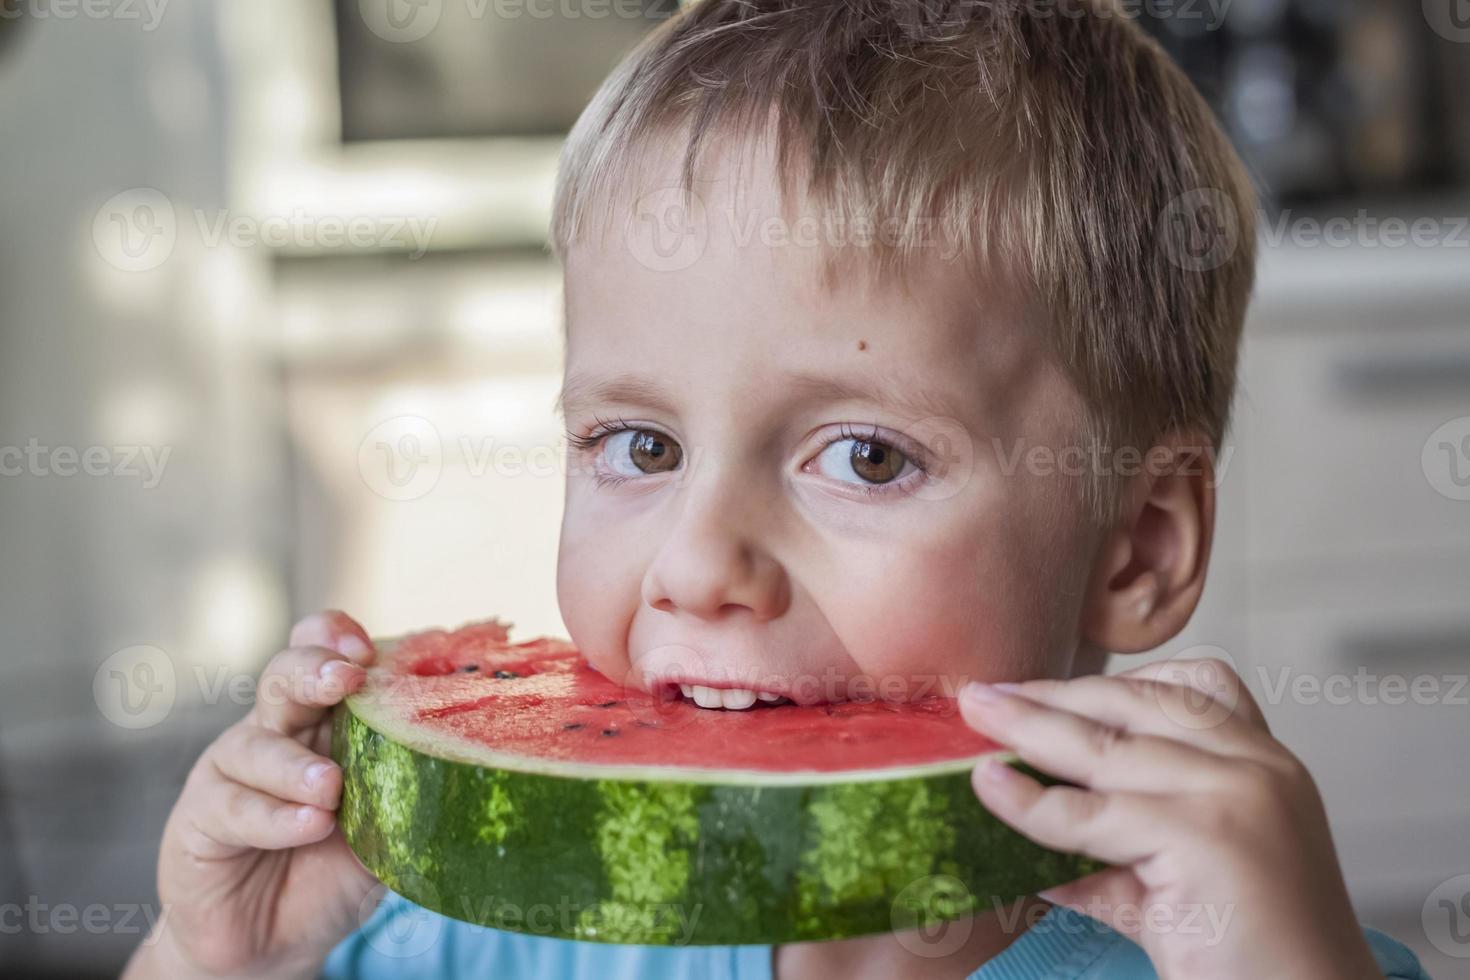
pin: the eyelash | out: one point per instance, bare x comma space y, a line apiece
582, 442
603, 428
600, 431
910, 451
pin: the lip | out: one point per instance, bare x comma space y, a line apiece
742, 662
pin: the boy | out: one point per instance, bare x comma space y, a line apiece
804, 452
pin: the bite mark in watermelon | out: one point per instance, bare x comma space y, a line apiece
512, 785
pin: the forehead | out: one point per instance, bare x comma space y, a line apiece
729, 283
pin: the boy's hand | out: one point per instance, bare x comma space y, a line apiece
1224, 866
255, 876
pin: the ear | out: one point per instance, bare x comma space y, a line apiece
1150, 569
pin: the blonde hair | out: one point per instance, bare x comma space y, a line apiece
1051, 141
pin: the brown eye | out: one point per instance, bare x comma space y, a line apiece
651, 452
876, 462
864, 460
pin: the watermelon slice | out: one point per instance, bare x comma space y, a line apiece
512, 785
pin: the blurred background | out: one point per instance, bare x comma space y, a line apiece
279, 331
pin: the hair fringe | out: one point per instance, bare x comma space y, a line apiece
1047, 148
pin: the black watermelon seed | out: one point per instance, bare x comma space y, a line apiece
572, 726
470, 668
608, 704
506, 675
609, 731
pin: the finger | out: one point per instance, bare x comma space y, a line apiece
1211, 677
275, 764
320, 740
1119, 828
300, 684
1146, 706
335, 630
224, 817
1083, 750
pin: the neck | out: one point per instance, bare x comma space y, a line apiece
954, 950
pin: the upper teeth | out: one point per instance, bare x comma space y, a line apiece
725, 697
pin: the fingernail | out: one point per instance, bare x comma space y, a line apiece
981, 693
304, 813
352, 646
337, 670
1010, 687
316, 771
995, 771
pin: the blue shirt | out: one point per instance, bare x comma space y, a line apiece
405, 942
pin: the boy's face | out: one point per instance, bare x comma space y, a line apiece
760, 517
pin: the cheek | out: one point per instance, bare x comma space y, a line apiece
937, 619
981, 602
597, 591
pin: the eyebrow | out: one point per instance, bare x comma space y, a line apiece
908, 397
631, 388
902, 395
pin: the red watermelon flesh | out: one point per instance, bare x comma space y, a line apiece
486, 699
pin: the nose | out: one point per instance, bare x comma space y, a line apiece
709, 565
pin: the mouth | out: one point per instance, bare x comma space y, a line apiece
724, 693
676, 672
729, 698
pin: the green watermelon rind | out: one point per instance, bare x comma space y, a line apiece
675, 857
